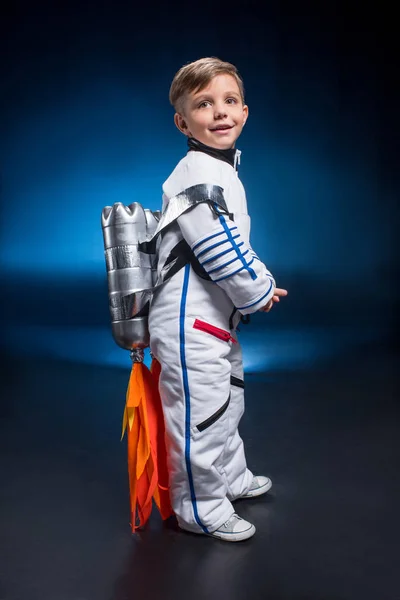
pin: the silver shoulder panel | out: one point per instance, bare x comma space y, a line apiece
179, 204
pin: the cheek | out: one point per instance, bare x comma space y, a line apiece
240, 117
201, 120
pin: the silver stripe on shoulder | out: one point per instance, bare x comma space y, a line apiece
196, 194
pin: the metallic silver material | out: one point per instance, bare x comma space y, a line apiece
122, 224
137, 355
129, 271
152, 219
179, 204
132, 333
129, 306
196, 194
124, 257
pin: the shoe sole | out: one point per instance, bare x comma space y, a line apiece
226, 537
234, 537
259, 491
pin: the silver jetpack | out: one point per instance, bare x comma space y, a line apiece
131, 273
131, 241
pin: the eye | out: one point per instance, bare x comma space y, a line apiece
231, 100
204, 103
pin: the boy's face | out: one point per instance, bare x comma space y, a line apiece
214, 115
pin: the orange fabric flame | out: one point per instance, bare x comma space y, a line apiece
147, 455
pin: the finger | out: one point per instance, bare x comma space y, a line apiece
267, 307
281, 292
275, 298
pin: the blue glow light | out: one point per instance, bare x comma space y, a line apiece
315, 220
263, 351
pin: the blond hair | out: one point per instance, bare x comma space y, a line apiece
196, 75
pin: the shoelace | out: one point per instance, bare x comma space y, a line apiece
229, 520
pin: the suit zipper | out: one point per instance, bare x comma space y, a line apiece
211, 420
237, 159
221, 334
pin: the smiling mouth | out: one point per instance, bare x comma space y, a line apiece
222, 128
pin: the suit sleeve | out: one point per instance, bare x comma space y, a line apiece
230, 262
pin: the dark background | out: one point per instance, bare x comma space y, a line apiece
85, 122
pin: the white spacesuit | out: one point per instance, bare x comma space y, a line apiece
192, 322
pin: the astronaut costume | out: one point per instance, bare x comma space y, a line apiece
192, 322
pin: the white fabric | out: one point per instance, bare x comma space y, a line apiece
207, 466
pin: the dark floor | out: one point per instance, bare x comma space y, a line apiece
329, 529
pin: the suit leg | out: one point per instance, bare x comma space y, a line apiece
239, 477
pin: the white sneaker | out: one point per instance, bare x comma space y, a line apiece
260, 485
235, 529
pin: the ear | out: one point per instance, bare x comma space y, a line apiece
181, 124
245, 113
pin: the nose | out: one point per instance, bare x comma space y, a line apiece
220, 111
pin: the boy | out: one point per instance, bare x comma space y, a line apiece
194, 315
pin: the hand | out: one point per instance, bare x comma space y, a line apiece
279, 293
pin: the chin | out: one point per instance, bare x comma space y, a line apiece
223, 144
216, 143
227, 146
